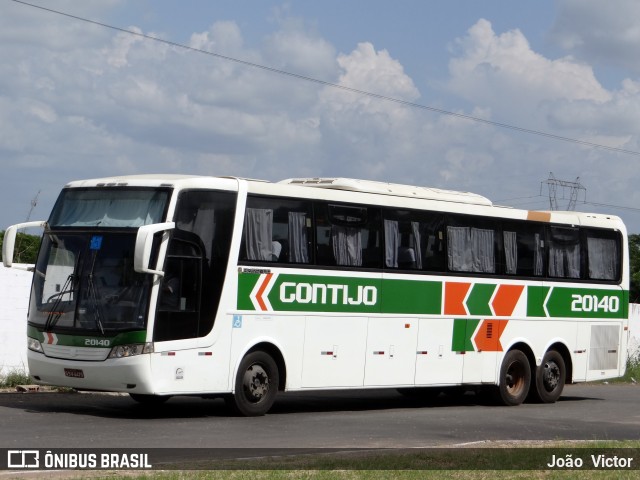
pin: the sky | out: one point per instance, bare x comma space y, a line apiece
80, 100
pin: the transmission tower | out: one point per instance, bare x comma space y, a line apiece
569, 190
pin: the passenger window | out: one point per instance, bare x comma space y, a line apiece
603, 255
277, 230
471, 248
564, 252
348, 235
523, 250
414, 240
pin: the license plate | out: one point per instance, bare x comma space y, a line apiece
73, 372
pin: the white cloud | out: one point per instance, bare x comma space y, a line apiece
121, 45
223, 37
512, 83
298, 51
503, 72
606, 33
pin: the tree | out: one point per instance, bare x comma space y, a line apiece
26, 249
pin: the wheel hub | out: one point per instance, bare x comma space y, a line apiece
256, 383
514, 378
551, 376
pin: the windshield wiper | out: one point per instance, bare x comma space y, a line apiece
93, 294
54, 313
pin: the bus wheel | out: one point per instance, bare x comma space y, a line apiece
515, 378
256, 384
149, 399
550, 378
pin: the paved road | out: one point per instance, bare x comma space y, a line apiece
374, 419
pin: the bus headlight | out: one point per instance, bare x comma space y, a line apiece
121, 351
34, 345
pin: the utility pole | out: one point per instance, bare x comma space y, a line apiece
570, 190
34, 202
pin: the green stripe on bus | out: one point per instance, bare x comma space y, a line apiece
478, 301
585, 303
535, 301
246, 283
319, 293
125, 338
284, 292
411, 297
462, 331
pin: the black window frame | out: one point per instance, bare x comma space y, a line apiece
321, 253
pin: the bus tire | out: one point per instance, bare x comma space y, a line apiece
515, 379
149, 399
256, 384
550, 378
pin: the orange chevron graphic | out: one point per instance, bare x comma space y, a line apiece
487, 339
506, 299
261, 290
454, 295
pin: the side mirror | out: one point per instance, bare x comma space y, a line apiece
144, 244
9, 243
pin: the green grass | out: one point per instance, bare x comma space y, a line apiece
407, 465
632, 374
15, 378
633, 369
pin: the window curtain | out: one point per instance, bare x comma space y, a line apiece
603, 258
470, 249
573, 261
415, 242
483, 250
511, 252
298, 243
564, 261
391, 243
347, 245
258, 234
459, 249
537, 256
205, 227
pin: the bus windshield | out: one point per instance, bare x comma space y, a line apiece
86, 281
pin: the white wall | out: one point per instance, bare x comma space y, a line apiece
634, 329
14, 299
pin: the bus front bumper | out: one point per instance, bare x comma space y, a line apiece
130, 374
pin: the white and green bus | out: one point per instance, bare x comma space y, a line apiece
225, 287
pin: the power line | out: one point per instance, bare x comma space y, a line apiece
335, 85
513, 202
621, 207
517, 198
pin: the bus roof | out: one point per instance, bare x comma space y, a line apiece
357, 186
394, 189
